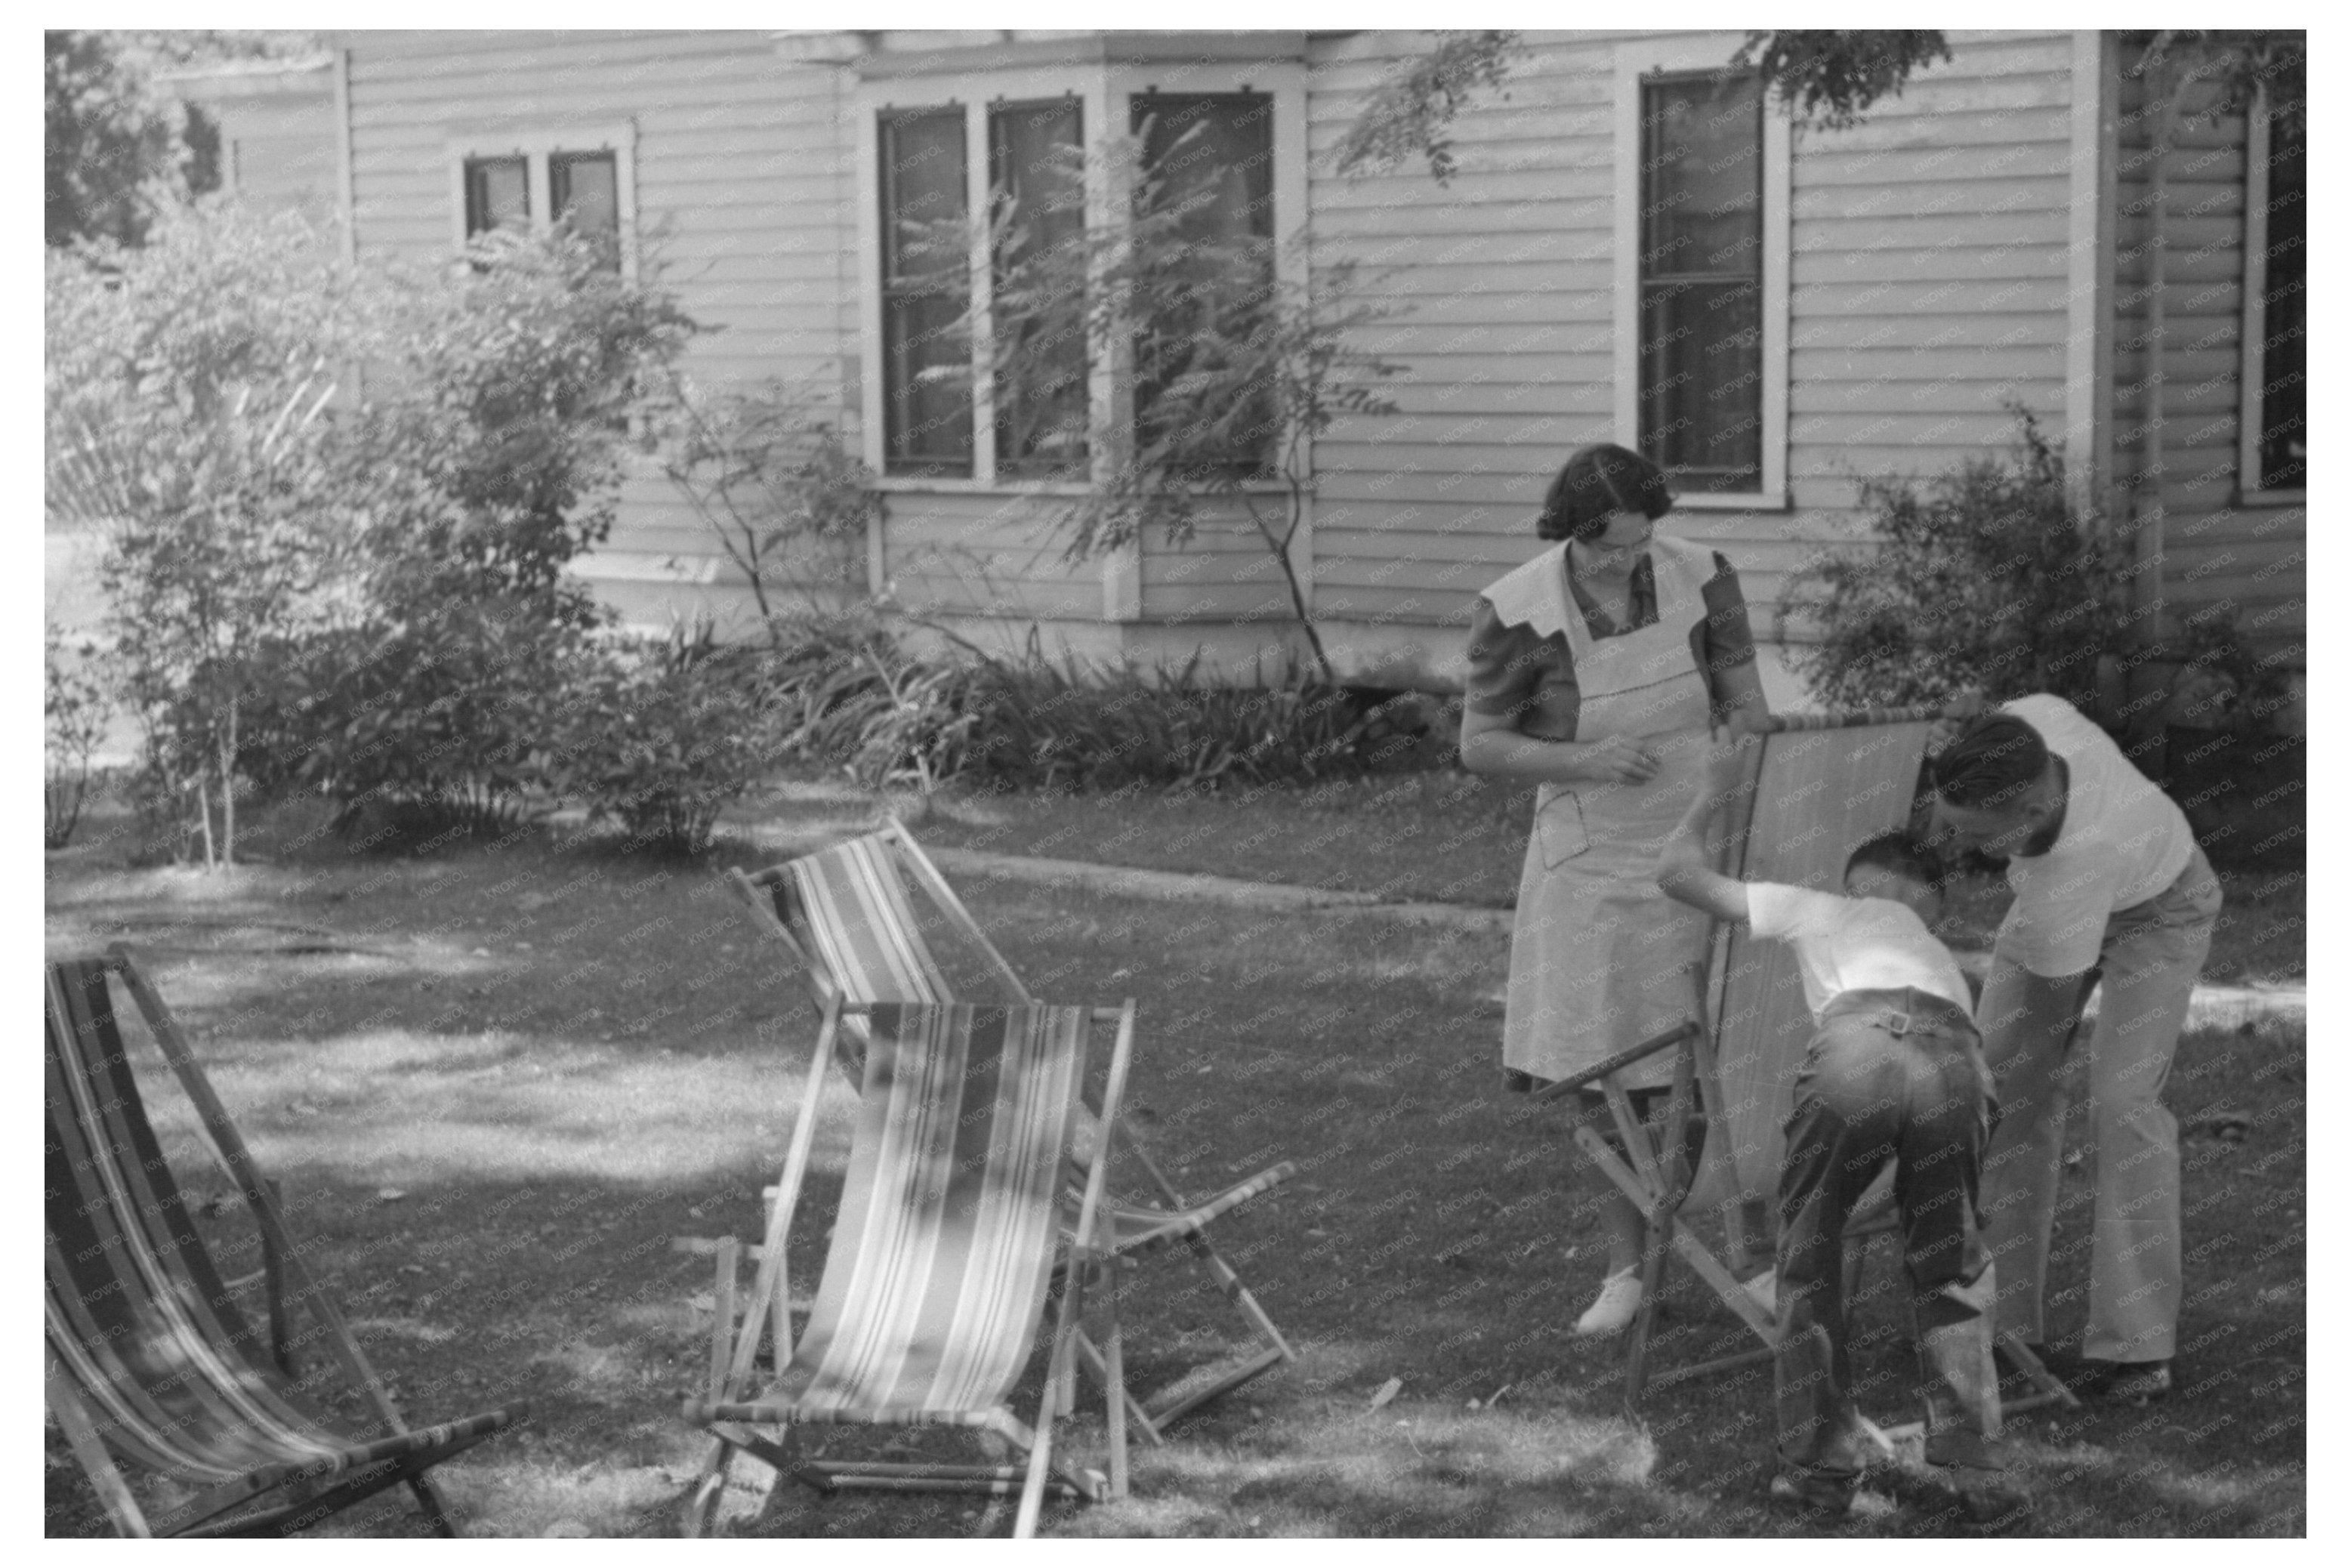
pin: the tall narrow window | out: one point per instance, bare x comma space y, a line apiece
1035, 167
1209, 172
497, 194
1701, 278
2279, 446
926, 284
584, 189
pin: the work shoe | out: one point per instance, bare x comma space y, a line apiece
1619, 1301
1817, 1496
2122, 1382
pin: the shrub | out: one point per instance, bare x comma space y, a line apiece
851, 695
667, 733
1038, 723
1989, 580
1994, 579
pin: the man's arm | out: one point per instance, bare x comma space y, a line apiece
1685, 869
2025, 1018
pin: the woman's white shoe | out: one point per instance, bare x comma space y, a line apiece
1619, 1299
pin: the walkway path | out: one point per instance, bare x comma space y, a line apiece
2210, 1004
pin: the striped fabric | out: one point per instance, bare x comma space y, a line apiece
1821, 789
173, 1377
934, 1283
848, 906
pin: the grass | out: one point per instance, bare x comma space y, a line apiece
494, 1082
1452, 837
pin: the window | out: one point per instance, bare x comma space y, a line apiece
1701, 250
497, 194
580, 177
984, 371
1210, 159
1702, 271
1035, 169
926, 284
2272, 453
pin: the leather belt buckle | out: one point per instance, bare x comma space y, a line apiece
1895, 1024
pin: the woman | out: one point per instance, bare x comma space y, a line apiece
1595, 669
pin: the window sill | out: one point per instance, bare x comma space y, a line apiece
1730, 501
905, 484
2272, 497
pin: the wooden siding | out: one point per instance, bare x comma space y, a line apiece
1929, 251
2216, 552
744, 182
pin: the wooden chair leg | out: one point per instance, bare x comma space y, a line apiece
437, 1511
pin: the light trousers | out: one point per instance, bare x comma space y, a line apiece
2147, 967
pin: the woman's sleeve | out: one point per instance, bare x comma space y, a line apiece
1506, 666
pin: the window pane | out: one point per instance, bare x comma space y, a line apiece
498, 193
1208, 159
1702, 264
584, 188
1702, 199
1701, 371
924, 200
925, 286
1035, 170
2283, 298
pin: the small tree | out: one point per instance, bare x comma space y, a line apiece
1232, 369
186, 412
115, 153
769, 477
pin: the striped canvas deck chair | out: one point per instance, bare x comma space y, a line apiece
850, 919
1823, 783
151, 1363
941, 1262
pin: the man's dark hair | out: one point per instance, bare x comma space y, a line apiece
1595, 482
1898, 852
1993, 760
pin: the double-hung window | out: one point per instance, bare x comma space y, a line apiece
2271, 458
530, 183
981, 187
1702, 272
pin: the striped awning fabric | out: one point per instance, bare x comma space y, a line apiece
935, 1284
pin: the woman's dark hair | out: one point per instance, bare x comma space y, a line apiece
1898, 852
1995, 758
1595, 482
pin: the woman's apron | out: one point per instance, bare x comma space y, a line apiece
1600, 960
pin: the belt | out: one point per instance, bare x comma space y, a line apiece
1902, 1011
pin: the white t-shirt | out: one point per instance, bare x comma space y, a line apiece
1854, 944
2124, 841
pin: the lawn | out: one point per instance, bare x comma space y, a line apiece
496, 1080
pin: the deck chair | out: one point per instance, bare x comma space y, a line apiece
848, 918
1822, 784
150, 1361
942, 1257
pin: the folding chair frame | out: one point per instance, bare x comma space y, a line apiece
736, 1424
1157, 1412
1657, 1179
405, 1457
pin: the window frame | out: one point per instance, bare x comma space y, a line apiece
2253, 365
536, 146
1638, 63
1102, 89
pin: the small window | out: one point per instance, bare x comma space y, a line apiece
1701, 280
2279, 443
925, 285
1211, 158
1035, 169
497, 194
584, 189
